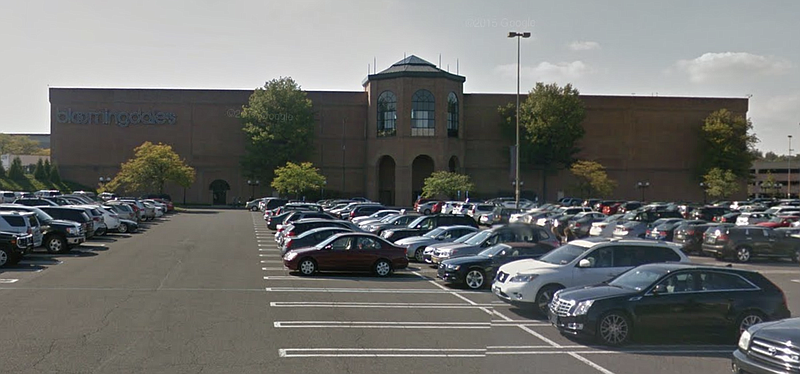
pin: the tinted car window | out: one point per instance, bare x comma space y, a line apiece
543, 235
682, 282
716, 281
601, 257
16, 221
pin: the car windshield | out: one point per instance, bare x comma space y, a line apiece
563, 254
434, 233
479, 238
493, 250
41, 215
638, 278
466, 237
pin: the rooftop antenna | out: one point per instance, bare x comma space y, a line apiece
374, 65
404, 55
440, 60
448, 68
368, 69
456, 66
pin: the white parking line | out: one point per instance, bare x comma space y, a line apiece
381, 325
8, 280
271, 261
310, 304
433, 282
381, 352
269, 269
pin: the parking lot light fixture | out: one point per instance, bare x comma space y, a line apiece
642, 186
253, 184
518, 35
703, 187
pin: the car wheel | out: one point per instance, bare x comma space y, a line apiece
426, 212
743, 254
543, 298
100, 232
56, 244
747, 319
475, 279
382, 268
418, 254
4, 257
123, 228
307, 267
614, 328
254, 209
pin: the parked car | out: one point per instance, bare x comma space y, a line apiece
58, 236
478, 210
73, 214
598, 227
639, 229
7, 197
500, 234
708, 213
375, 216
731, 217
689, 235
348, 252
581, 223
390, 222
35, 202
423, 224
426, 207
13, 246
24, 223
415, 245
779, 221
743, 243
293, 229
427, 254
311, 238
364, 210
680, 301
768, 348
478, 270
753, 218
532, 283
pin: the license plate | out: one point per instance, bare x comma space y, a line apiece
710, 240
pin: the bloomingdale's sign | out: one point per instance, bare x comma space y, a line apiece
119, 118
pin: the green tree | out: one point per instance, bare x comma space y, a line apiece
16, 171
279, 125
47, 167
18, 145
151, 168
39, 172
593, 181
721, 183
727, 143
294, 179
550, 128
770, 185
447, 184
55, 176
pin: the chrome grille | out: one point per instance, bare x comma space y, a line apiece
561, 307
775, 354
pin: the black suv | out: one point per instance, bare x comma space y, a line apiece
745, 242
423, 224
58, 235
768, 348
13, 246
78, 215
708, 213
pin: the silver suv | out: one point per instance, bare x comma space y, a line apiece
24, 223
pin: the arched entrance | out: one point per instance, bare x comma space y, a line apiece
453, 165
219, 189
421, 168
386, 167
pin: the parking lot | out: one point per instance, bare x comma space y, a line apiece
206, 291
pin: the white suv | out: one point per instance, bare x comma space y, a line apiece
22, 222
532, 283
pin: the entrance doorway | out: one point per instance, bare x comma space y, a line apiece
386, 167
421, 168
219, 190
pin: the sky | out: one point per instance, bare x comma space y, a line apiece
709, 48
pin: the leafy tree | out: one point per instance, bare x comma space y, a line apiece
55, 176
446, 183
47, 167
152, 167
592, 179
279, 125
550, 128
18, 145
16, 171
294, 179
770, 185
39, 173
727, 143
721, 183
773, 157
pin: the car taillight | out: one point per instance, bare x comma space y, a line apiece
722, 237
352, 214
647, 232
288, 243
689, 232
290, 233
577, 224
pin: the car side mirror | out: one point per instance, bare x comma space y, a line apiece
584, 263
659, 289
440, 237
328, 247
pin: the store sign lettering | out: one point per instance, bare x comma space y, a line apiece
119, 118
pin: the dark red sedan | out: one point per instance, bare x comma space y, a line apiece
348, 252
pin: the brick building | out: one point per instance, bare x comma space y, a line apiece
410, 120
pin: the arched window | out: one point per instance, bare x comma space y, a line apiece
387, 114
422, 110
452, 115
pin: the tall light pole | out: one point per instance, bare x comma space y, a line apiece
789, 170
518, 35
253, 184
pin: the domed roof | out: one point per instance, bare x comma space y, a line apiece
413, 66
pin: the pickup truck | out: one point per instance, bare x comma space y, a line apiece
13, 246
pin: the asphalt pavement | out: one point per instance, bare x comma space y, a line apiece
205, 291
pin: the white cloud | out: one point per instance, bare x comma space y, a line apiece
583, 46
562, 72
731, 66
